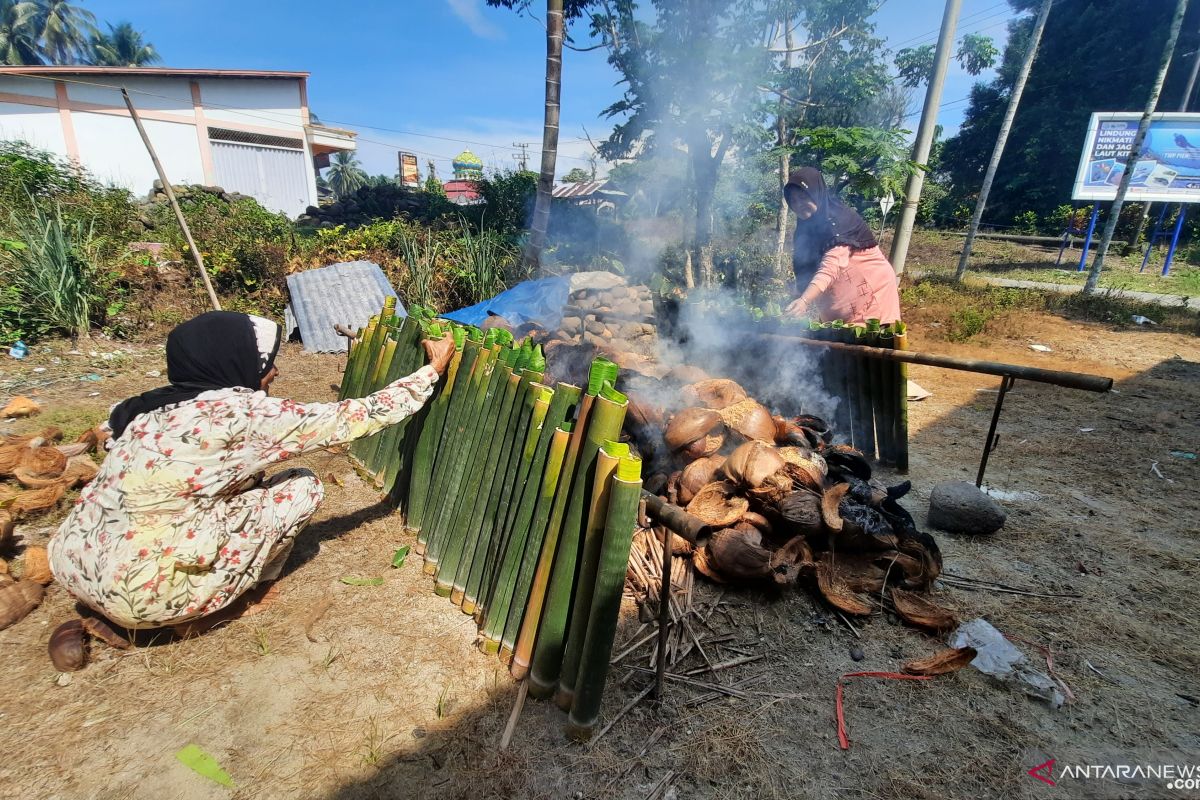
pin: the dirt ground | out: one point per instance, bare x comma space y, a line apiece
392, 699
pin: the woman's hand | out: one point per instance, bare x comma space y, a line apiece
798, 308
439, 352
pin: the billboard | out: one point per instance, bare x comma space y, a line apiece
1166, 170
409, 174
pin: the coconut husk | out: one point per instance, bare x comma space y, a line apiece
862, 573
101, 630
689, 425
829, 507
792, 560
941, 662
704, 566
718, 505
922, 612
844, 458
17, 599
681, 546
751, 420
7, 492
921, 567
19, 407
37, 566
10, 458
752, 463
80, 470
696, 474
42, 462
36, 501
94, 438
68, 646
802, 510
715, 393
864, 528
739, 555
836, 591
703, 447
48, 434
758, 521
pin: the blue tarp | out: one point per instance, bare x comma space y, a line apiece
539, 301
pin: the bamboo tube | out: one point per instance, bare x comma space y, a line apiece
875, 372
526, 530
900, 342
354, 366
887, 400
866, 414
432, 434
469, 464
509, 458
397, 472
525, 610
386, 454
460, 436
605, 607
373, 344
844, 415
610, 455
604, 424
480, 488
373, 374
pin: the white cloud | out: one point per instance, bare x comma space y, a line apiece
470, 12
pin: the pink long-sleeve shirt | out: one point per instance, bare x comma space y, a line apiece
854, 286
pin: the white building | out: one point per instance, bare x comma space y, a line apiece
246, 131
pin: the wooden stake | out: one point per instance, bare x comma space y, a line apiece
515, 715
162, 176
664, 612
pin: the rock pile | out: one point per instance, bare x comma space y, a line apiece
617, 319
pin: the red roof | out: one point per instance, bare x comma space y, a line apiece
461, 191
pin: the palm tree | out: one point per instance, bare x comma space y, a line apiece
345, 175
122, 46
63, 30
18, 43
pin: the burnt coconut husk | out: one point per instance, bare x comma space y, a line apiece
714, 393
718, 504
696, 475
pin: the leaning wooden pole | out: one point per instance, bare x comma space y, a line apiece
162, 176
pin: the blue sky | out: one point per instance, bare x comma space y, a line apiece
436, 76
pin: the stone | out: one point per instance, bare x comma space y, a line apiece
960, 507
571, 324
312, 211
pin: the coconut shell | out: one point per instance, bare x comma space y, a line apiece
718, 505
829, 507
17, 600
7, 524
758, 521
752, 463
11, 456
864, 528
80, 470
36, 501
689, 425
715, 393
836, 591
703, 447
696, 474
922, 612
942, 662
42, 462
20, 406
863, 573
681, 546
47, 434
844, 458
751, 420
100, 629
37, 566
802, 509
738, 554
704, 566
792, 560
68, 646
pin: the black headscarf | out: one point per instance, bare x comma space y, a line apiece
217, 350
833, 223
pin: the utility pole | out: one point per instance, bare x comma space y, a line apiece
1184, 102
523, 159
1135, 150
933, 98
1002, 139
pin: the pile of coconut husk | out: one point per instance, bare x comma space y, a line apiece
785, 506
38, 469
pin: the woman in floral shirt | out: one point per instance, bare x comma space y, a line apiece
178, 523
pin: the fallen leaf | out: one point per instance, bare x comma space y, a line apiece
334, 479
353, 581
942, 662
200, 762
399, 556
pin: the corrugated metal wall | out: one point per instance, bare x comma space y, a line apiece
276, 177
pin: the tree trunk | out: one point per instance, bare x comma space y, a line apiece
783, 267
545, 187
704, 168
1114, 213
1002, 138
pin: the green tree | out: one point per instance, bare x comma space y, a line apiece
63, 30
18, 39
975, 54
578, 175
122, 46
345, 175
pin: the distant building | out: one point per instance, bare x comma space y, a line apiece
247, 131
595, 194
468, 169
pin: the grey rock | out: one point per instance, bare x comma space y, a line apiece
960, 507
158, 185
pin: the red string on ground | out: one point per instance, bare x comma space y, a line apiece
843, 737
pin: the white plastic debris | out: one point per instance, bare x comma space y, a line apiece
998, 657
1041, 348
154, 373
1138, 319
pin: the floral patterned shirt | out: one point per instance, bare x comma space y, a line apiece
164, 533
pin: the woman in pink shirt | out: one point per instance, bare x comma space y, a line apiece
840, 271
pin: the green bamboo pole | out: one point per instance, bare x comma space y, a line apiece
543, 468
387, 460
479, 489
866, 412
875, 370
354, 357
604, 424
455, 449
901, 429
509, 456
385, 348
432, 436
888, 397
466, 459
620, 522
844, 416
610, 455
526, 608
371, 343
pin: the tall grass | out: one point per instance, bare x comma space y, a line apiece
54, 272
420, 250
485, 256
